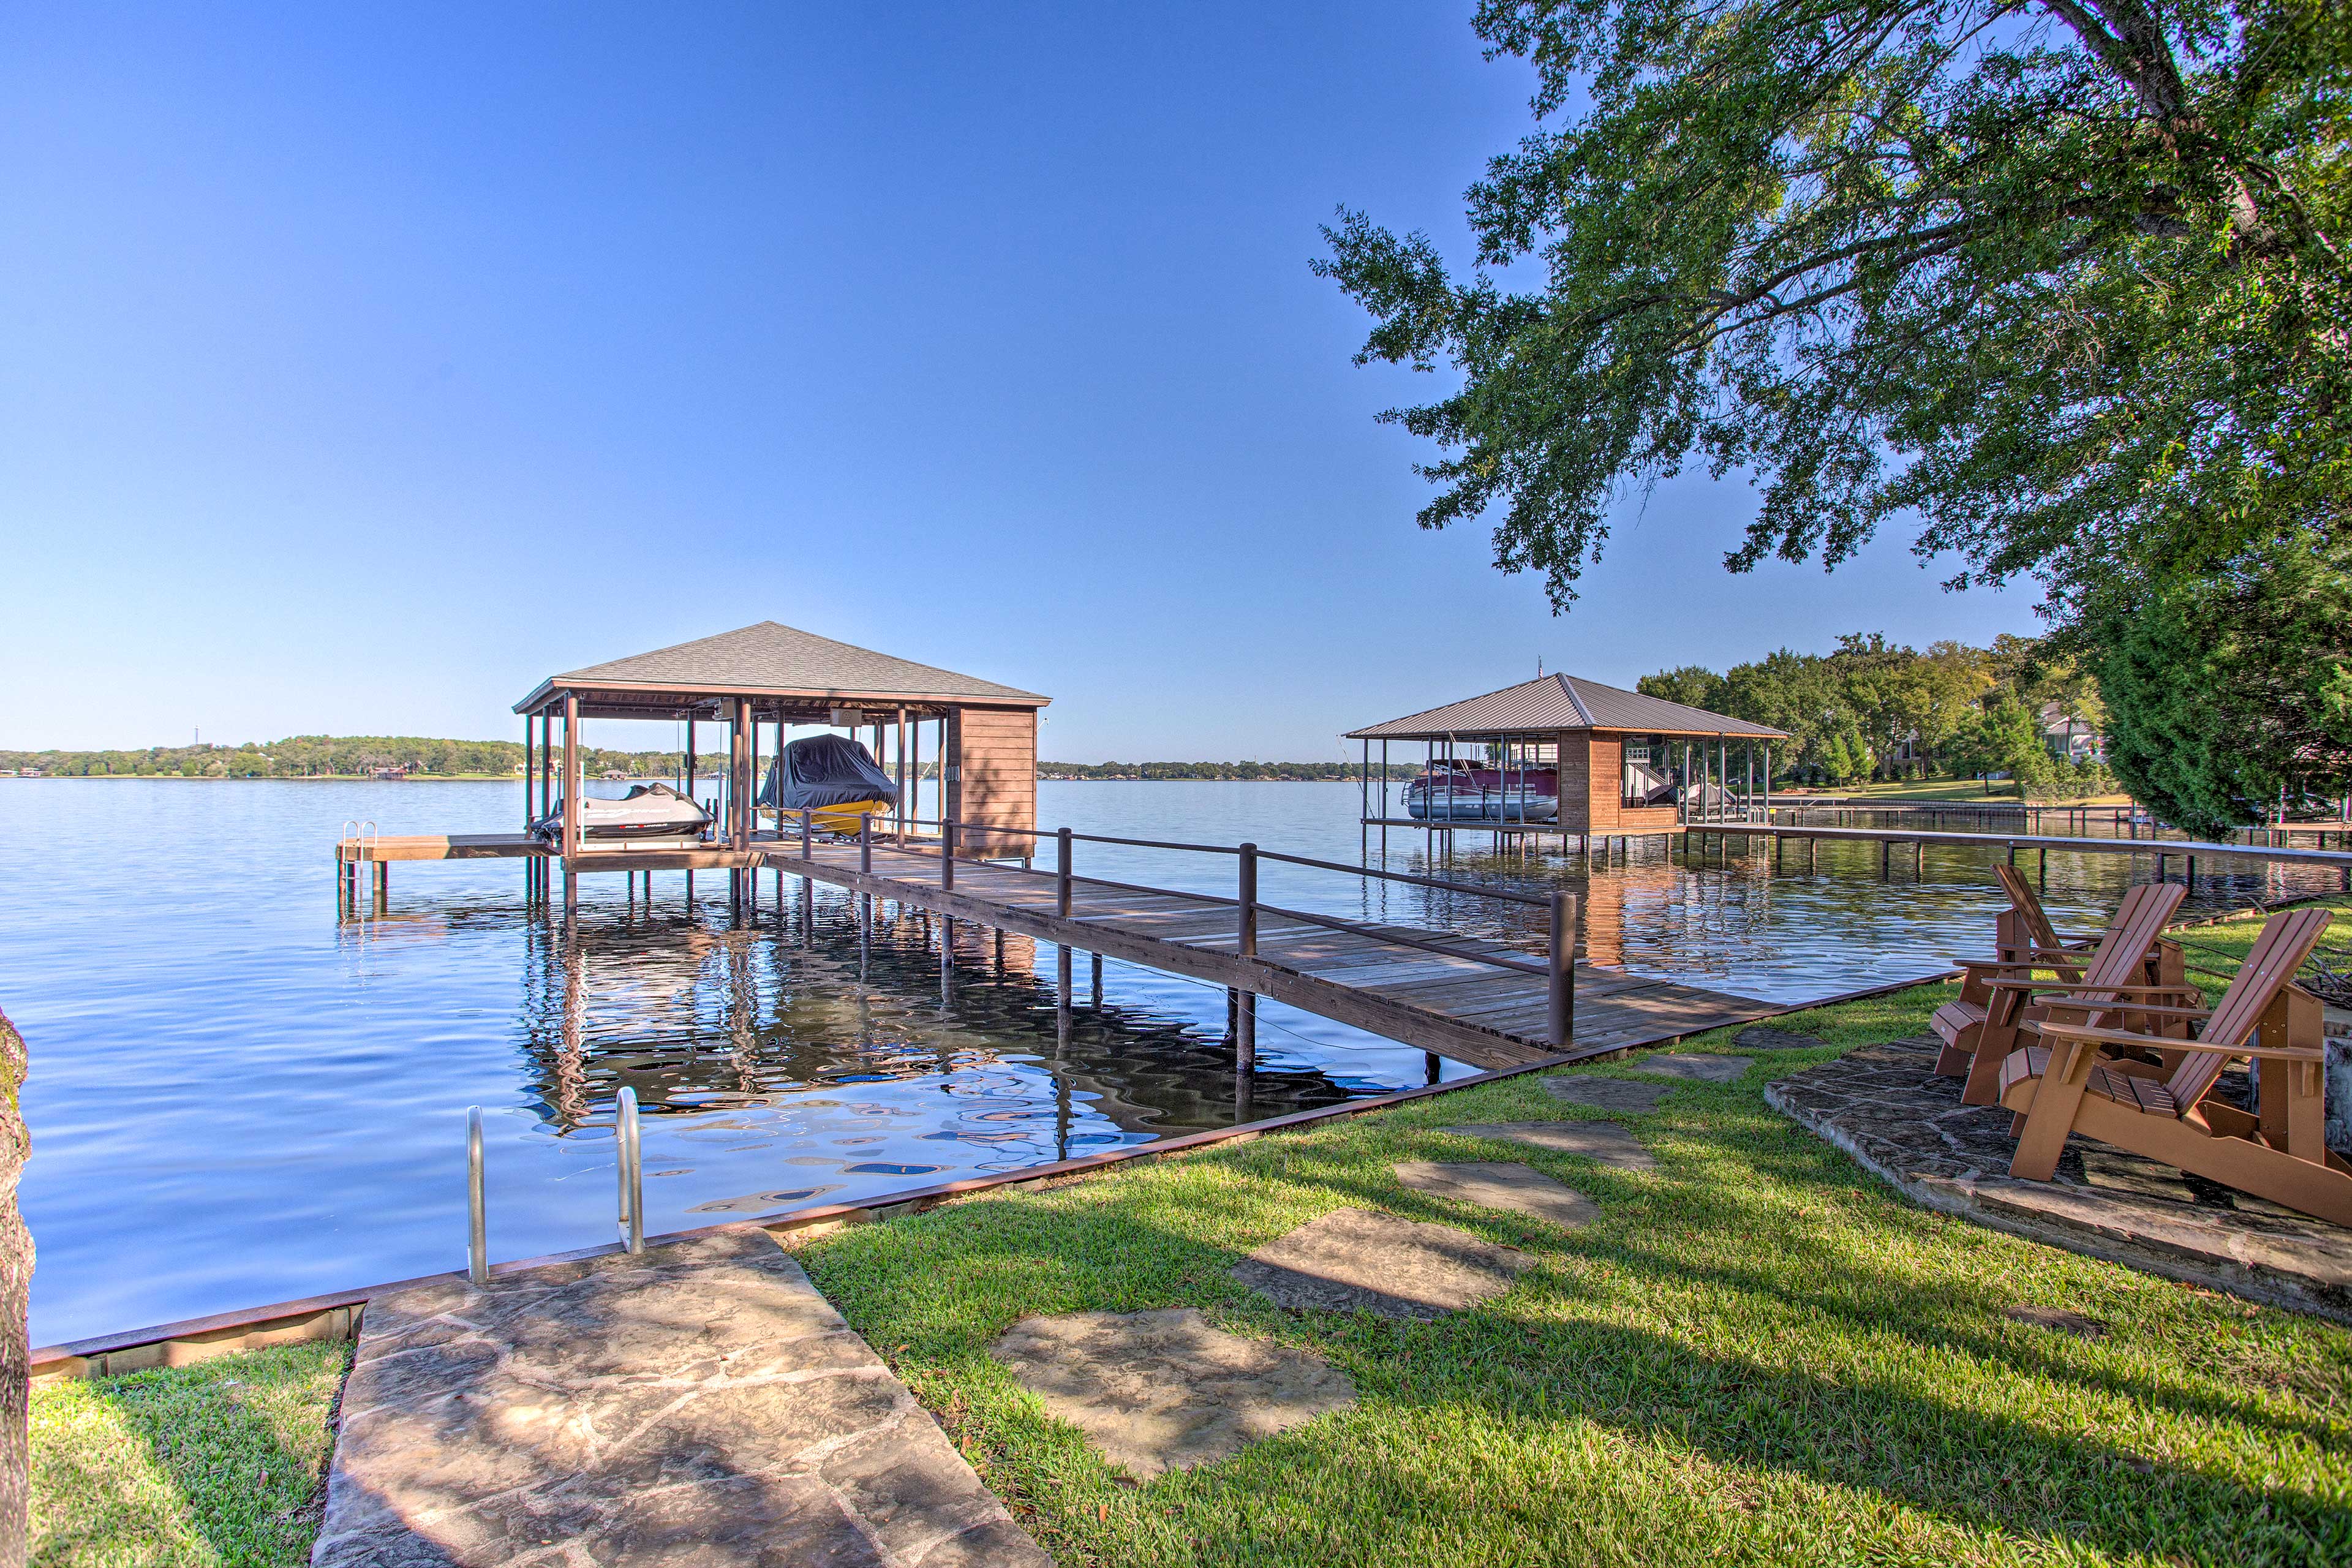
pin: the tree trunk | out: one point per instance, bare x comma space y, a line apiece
15, 1289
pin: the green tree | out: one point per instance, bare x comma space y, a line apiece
2063, 279
1693, 686
2004, 737
2230, 691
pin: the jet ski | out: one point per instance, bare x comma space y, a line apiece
831, 775
648, 813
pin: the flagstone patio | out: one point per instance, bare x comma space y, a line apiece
1884, 1105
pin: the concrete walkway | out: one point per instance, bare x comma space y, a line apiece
699, 1404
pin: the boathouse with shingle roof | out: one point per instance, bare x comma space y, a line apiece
1625, 762
758, 681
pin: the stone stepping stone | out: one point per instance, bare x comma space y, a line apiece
1166, 1390
1696, 1066
1609, 1142
1608, 1093
1764, 1037
697, 1403
1358, 1260
2113, 1171
1519, 1189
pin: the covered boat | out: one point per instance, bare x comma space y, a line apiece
648, 813
831, 775
1452, 790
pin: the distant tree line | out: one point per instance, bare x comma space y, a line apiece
1279, 772
362, 756
329, 756
1875, 710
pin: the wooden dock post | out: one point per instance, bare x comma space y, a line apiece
571, 802
1561, 994
1245, 999
947, 851
865, 846
1098, 997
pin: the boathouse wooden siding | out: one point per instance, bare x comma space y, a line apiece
1604, 791
997, 777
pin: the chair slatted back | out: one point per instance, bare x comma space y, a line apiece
2139, 921
2286, 939
2028, 905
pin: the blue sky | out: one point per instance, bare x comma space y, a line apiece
367, 364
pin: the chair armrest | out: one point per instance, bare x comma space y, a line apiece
2153, 1009
2129, 1038
2051, 1026
2093, 985
2028, 966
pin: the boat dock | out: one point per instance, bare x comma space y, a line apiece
1473, 999
2162, 850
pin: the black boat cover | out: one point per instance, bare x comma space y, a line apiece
819, 771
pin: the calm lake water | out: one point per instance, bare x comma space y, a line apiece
235, 1098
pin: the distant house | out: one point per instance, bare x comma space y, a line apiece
2071, 738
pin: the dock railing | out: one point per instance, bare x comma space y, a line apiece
1557, 967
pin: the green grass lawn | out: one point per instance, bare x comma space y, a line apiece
214, 1464
1759, 1355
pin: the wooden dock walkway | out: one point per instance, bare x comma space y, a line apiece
1369, 976
2162, 848
1438, 991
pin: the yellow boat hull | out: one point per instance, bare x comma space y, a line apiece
841, 819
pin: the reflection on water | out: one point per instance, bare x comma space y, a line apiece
798, 1001
234, 1099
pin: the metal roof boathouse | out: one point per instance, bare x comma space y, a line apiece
1618, 763
757, 681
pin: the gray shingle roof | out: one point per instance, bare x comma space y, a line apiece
772, 658
1553, 702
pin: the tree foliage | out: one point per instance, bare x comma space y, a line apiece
2232, 691
2065, 280
331, 756
1874, 708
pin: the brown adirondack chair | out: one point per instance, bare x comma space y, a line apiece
2132, 963
2070, 1084
2023, 930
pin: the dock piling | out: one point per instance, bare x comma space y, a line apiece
1245, 999
1062, 872
1562, 967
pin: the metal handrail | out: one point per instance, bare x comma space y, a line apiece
1389, 934
1380, 933
1557, 968
1531, 900
1528, 898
